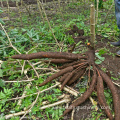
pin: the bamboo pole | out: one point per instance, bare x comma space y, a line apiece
92, 24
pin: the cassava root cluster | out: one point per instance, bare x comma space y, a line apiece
76, 67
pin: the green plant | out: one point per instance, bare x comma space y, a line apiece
2, 83
100, 59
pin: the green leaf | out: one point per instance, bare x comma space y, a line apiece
2, 83
1, 11
107, 94
100, 59
1, 21
82, 90
1, 73
101, 52
2, 95
98, 62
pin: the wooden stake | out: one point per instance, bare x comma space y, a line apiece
92, 24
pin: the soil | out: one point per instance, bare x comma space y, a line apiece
28, 2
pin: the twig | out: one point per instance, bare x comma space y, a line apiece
24, 93
40, 11
23, 67
94, 103
9, 39
118, 84
15, 114
46, 102
47, 69
36, 63
33, 68
64, 100
47, 73
109, 11
31, 106
19, 81
68, 89
49, 23
72, 116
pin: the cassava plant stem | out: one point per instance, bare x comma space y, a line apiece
92, 24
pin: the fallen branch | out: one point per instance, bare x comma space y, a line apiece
50, 69
70, 90
15, 114
20, 81
64, 100
24, 93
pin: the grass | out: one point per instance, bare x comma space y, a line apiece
35, 35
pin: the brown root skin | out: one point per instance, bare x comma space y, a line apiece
63, 71
57, 61
101, 97
84, 96
91, 55
70, 75
113, 89
63, 77
78, 75
56, 55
